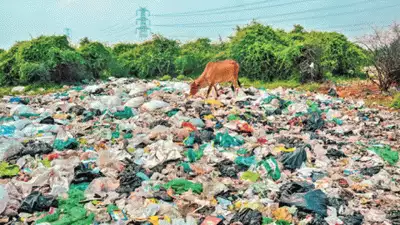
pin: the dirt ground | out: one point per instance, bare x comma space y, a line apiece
365, 90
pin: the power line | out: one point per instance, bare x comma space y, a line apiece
241, 10
214, 24
273, 16
215, 9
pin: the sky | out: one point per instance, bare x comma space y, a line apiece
113, 21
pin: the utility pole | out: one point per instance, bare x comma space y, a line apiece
67, 31
143, 21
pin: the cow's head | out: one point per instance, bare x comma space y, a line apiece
194, 88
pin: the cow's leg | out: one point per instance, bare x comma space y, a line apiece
237, 86
216, 91
209, 90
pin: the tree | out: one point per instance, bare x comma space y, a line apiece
122, 48
298, 29
84, 41
384, 49
97, 57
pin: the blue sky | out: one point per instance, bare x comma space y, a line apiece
112, 21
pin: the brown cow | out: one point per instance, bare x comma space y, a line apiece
217, 72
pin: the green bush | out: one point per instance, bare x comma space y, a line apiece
34, 72
264, 54
97, 58
43, 59
122, 48
154, 58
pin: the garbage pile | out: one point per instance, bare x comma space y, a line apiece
142, 152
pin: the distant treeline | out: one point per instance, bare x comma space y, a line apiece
263, 53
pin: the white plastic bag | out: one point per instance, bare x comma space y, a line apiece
154, 104
135, 102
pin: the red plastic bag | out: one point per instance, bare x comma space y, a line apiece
262, 141
245, 127
189, 125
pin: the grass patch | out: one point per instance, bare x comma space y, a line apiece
33, 89
345, 79
293, 83
396, 101
387, 102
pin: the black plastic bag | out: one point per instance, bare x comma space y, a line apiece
247, 216
355, 219
83, 174
337, 203
303, 195
205, 135
294, 160
163, 195
332, 92
394, 216
36, 148
37, 202
318, 220
335, 154
159, 122
370, 171
128, 179
313, 122
47, 120
78, 110
229, 169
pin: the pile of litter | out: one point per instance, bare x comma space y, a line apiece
141, 152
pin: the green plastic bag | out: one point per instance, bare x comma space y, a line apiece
245, 161
8, 170
386, 153
267, 220
337, 121
81, 186
282, 222
128, 135
241, 151
126, 114
28, 115
269, 99
186, 167
225, 140
142, 176
271, 165
70, 211
233, 117
115, 135
88, 116
189, 141
60, 145
251, 176
172, 112
181, 185
193, 156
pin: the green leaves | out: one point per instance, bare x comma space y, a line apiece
263, 53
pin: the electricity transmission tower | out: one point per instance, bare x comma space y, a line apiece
67, 31
143, 21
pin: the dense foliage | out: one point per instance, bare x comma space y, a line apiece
263, 53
